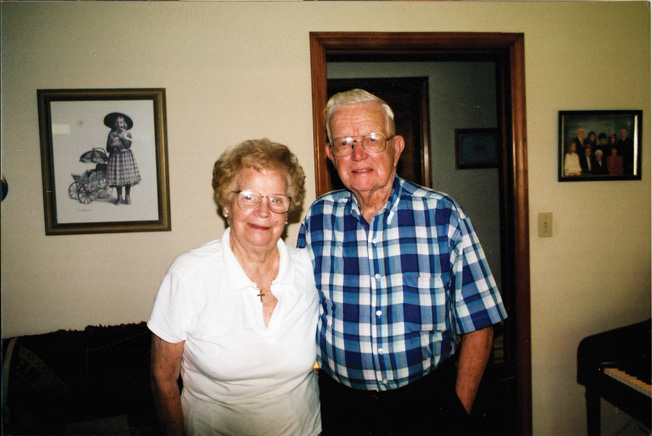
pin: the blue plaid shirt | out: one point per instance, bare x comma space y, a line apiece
396, 292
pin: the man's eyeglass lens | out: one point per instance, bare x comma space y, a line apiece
277, 203
371, 143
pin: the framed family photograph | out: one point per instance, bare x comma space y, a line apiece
104, 160
476, 148
600, 145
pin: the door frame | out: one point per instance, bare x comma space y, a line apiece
508, 51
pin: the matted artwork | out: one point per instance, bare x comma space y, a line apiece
104, 160
476, 148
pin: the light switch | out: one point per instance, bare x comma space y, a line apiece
545, 224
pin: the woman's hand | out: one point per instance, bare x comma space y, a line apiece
165, 371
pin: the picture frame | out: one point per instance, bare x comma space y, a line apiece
604, 133
476, 148
104, 160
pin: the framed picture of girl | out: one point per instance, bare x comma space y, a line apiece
600, 145
104, 160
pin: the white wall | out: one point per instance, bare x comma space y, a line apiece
240, 70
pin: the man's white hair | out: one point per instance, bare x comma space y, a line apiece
356, 96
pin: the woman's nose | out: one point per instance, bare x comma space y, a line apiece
263, 207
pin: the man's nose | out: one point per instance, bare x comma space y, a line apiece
359, 152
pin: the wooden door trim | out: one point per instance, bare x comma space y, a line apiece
514, 184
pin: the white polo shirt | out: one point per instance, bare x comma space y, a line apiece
241, 377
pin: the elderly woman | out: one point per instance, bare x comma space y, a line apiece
237, 317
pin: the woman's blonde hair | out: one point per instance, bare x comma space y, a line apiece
259, 154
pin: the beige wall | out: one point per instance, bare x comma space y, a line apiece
240, 70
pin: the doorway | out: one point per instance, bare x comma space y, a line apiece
506, 50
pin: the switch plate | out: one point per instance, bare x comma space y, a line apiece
545, 224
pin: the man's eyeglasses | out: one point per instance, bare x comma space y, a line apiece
371, 143
277, 203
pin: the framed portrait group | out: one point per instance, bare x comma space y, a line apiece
600, 145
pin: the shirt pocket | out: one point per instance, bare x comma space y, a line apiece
424, 303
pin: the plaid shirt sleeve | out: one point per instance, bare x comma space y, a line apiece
477, 301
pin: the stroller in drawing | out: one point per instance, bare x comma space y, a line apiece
92, 183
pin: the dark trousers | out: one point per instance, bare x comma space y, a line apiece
428, 406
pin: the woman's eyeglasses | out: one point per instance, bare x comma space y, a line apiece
277, 203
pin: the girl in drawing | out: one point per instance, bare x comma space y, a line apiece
122, 170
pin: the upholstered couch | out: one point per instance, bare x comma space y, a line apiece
90, 382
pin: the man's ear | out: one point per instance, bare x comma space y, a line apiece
399, 145
329, 154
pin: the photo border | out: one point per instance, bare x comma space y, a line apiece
52, 225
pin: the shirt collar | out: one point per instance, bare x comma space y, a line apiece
388, 209
236, 275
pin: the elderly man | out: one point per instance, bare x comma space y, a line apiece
407, 298
626, 150
579, 139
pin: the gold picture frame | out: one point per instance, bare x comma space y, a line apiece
84, 173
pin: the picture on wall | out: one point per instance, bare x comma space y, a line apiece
104, 160
476, 148
600, 145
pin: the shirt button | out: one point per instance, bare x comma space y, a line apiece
377, 276
379, 313
373, 241
380, 351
